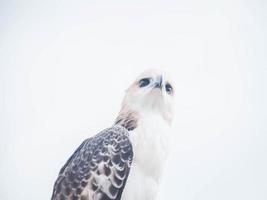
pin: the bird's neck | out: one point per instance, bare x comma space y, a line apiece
127, 118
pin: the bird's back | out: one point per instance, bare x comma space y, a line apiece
98, 169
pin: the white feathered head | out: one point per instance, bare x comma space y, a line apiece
152, 91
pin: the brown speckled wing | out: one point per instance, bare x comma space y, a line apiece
98, 169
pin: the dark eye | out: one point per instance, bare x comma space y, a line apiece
144, 82
168, 88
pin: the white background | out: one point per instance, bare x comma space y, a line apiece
64, 67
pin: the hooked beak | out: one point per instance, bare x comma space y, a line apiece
158, 83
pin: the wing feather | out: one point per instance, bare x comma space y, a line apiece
98, 169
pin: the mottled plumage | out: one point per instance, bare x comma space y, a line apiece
98, 169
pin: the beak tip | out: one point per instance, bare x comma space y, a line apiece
158, 83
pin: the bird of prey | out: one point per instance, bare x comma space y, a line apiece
125, 161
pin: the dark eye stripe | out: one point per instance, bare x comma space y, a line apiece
144, 82
168, 88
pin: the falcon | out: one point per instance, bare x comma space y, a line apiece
125, 161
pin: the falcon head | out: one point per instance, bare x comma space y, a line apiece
152, 91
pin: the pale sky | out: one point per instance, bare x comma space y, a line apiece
64, 67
